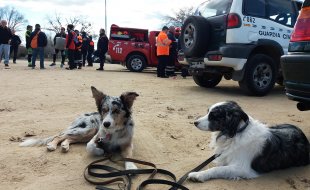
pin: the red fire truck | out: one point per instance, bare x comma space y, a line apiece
134, 48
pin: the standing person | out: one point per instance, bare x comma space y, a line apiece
38, 42
5, 36
184, 70
85, 47
27, 35
172, 52
62, 34
15, 42
162, 44
90, 52
78, 51
70, 46
102, 46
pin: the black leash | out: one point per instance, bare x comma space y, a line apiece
127, 186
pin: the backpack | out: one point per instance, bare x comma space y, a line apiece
76, 40
34, 42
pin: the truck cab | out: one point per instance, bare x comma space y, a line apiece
134, 48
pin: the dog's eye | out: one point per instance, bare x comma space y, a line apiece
115, 111
211, 115
104, 110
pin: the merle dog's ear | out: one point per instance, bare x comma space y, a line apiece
234, 115
128, 98
98, 95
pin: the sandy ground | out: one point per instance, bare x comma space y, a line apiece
47, 101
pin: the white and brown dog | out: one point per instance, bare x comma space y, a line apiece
113, 124
248, 147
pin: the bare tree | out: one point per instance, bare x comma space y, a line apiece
57, 20
14, 18
178, 17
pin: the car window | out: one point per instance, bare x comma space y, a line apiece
282, 11
213, 8
255, 8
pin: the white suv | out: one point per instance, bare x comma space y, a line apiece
241, 40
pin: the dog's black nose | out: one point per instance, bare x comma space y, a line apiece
196, 123
106, 124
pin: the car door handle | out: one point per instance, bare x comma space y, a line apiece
219, 29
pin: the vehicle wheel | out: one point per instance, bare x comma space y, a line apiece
208, 80
195, 34
136, 63
279, 81
260, 75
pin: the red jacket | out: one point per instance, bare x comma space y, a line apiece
69, 40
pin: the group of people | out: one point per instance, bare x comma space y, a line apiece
76, 48
167, 47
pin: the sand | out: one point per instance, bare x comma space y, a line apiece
46, 102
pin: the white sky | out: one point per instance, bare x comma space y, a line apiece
136, 13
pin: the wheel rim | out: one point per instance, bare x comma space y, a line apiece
262, 76
189, 35
136, 64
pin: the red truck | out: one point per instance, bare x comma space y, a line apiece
134, 48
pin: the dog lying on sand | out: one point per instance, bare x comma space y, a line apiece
113, 124
248, 147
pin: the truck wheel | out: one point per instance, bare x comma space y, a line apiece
260, 75
136, 63
208, 80
195, 36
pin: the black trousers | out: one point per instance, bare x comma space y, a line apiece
161, 66
78, 58
89, 58
63, 56
71, 58
84, 56
102, 60
171, 62
15, 49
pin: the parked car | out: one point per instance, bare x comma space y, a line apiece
134, 48
296, 64
241, 40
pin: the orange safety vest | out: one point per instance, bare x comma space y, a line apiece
80, 43
162, 44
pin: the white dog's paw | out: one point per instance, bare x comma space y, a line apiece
197, 177
92, 147
51, 147
130, 166
64, 148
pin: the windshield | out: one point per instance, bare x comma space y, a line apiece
213, 8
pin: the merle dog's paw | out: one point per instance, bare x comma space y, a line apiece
130, 166
51, 147
92, 147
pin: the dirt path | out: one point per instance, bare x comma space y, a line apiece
47, 101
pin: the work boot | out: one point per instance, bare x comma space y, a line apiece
100, 69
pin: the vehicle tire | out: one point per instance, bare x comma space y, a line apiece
259, 76
136, 63
195, 34
208, 80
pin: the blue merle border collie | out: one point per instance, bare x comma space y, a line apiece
113, 124
246, 147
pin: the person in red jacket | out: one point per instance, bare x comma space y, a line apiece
70, 46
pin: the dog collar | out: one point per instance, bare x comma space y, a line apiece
108, 137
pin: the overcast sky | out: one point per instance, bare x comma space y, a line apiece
136, 13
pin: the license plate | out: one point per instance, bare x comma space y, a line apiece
198, 65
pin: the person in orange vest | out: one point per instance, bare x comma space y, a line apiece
163, 46
90, 52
